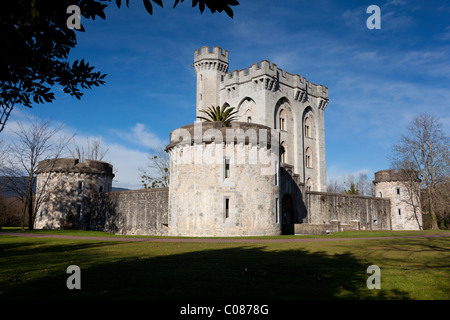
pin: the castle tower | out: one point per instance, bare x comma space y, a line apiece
223, 181
397, 185
267, 95
210, 68
66, 185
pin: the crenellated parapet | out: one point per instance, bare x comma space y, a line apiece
266, 75
205, 59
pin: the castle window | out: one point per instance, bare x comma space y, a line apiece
78, 211
80, 187
308, 156
276, 174
282, 118
227, 168
307, 127
276, 210
249, 119
227, 208
398, 191
399, 211
308, 184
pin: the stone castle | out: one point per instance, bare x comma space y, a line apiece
264, 175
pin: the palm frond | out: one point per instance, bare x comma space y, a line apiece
224, 114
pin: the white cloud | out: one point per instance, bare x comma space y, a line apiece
126, 160
140, 136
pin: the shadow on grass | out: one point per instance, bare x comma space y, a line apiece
235, 272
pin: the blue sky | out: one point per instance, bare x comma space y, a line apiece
378, 80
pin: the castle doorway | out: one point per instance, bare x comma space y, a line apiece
288, 214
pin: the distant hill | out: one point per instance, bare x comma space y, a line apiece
118, 189
5, 185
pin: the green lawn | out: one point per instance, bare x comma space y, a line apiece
412, 268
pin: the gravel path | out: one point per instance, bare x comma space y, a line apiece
35, 235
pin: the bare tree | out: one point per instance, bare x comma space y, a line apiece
334, 186
156, 175
348, 184
93, 150
364, 185
424, 152
31, 142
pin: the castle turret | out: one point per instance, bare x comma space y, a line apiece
211, 68
65, 185
223, 181
401, 187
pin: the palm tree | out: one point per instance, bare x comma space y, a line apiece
226, 115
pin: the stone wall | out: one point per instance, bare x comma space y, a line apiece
131, 212
347, 211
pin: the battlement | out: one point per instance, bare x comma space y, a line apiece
394, 175
214, 132
268, 71
204, 53
70, 165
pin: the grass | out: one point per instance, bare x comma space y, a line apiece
344, 234
411, 268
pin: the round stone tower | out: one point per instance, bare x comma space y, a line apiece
400, 186
223, 181
210, 68
65, 185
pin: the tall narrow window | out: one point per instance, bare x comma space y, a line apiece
249, 119
282, 120
227, 168
100, 189
308, 127
80, 187
308, 161
276, 174
227, 207
276, 210
399, 211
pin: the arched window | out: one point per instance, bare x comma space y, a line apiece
307, 127
249, 119
282, 120
308, 184
308, 158
283, 152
